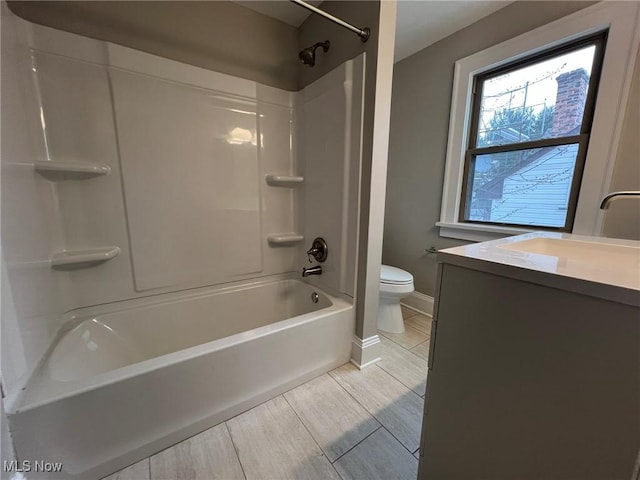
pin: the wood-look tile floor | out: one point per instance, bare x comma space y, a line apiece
347, 424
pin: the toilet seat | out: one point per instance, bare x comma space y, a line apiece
394, 276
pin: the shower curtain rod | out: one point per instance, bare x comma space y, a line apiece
363, 33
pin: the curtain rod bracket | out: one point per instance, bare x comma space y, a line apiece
364, 34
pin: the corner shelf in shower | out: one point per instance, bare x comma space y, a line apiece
284, 180
282, 239
70, 170
73, 259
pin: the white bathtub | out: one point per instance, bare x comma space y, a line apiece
131, 378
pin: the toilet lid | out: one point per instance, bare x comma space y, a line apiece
394, 276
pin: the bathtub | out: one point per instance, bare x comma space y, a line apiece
128, 379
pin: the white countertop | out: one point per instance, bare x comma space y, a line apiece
596, 266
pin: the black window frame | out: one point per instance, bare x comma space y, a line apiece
599, 40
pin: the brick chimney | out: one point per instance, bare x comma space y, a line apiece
570, 101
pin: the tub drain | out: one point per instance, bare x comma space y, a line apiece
315, 297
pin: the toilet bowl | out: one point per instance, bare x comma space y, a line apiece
395, 284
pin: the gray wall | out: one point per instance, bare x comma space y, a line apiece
622, 220
216, 35
421, 100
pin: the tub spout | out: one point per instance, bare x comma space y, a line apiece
317, 270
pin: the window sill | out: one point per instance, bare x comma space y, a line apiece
476, 232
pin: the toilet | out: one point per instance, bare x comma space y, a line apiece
395, 284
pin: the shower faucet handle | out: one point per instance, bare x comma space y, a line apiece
318, 250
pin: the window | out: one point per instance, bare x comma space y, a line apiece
522, 156
528, 139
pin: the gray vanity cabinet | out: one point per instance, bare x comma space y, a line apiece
529, 382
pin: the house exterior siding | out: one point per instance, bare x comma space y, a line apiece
538, 194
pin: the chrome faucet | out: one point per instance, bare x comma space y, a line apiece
613, 195
317, 270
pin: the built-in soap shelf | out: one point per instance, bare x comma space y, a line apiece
52, 170
278, 239
284, 180
72, 259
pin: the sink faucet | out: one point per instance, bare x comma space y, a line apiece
613, 195
317, 270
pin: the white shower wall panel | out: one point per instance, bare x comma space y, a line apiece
276, 115
323, 144
77, 110
331, 124
32, 294
78, 126
191, 181
188, 150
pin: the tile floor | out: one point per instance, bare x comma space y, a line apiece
346, 424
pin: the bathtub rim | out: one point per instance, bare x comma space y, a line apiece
32, 396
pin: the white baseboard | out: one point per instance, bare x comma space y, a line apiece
365, 352
419, 302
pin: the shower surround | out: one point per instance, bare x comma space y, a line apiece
155, 221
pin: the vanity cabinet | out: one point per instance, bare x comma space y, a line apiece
528, 378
